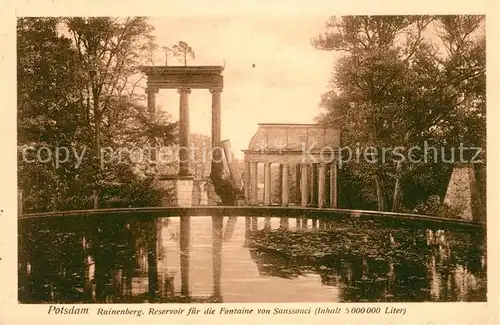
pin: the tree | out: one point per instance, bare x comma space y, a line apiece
48, 75
392, 87
183, 52
65, 87
367, 77
110, 50
167, 50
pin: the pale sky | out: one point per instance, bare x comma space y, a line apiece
284, 87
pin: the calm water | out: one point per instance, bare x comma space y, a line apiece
238, 259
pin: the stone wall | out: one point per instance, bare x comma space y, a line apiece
462, 196
186, 192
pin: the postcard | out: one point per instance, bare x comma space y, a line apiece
235, 162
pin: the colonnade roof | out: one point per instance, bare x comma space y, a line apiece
171, 77
182, 69
291, 137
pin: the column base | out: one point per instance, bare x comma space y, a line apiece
200, 193
181, 190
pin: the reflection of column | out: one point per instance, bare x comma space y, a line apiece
284, 185
184, 253
152, 258
247, 182
321, 185
315, 223
304, 222
255, 225
303, 185
434, 279
184, 131
248, 229
284, 223
217, 224
267, 223
254, 179
267, 184
333, 185
247, 226
230, 227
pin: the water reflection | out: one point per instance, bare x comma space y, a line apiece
243, 259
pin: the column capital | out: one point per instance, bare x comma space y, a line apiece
215, 90
184, 90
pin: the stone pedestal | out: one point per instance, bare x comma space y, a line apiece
212, 197
181, 189
203, 192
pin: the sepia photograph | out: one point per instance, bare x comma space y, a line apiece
213, 164
344, 159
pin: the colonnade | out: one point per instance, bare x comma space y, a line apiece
310, 180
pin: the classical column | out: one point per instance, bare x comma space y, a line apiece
280, 186
254, 173
333, 185
321, 185
267, 184
303, 185
314, 185
311, 183
184, 132
247, 182
297, 184
151, 93
216, 123
284, 185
